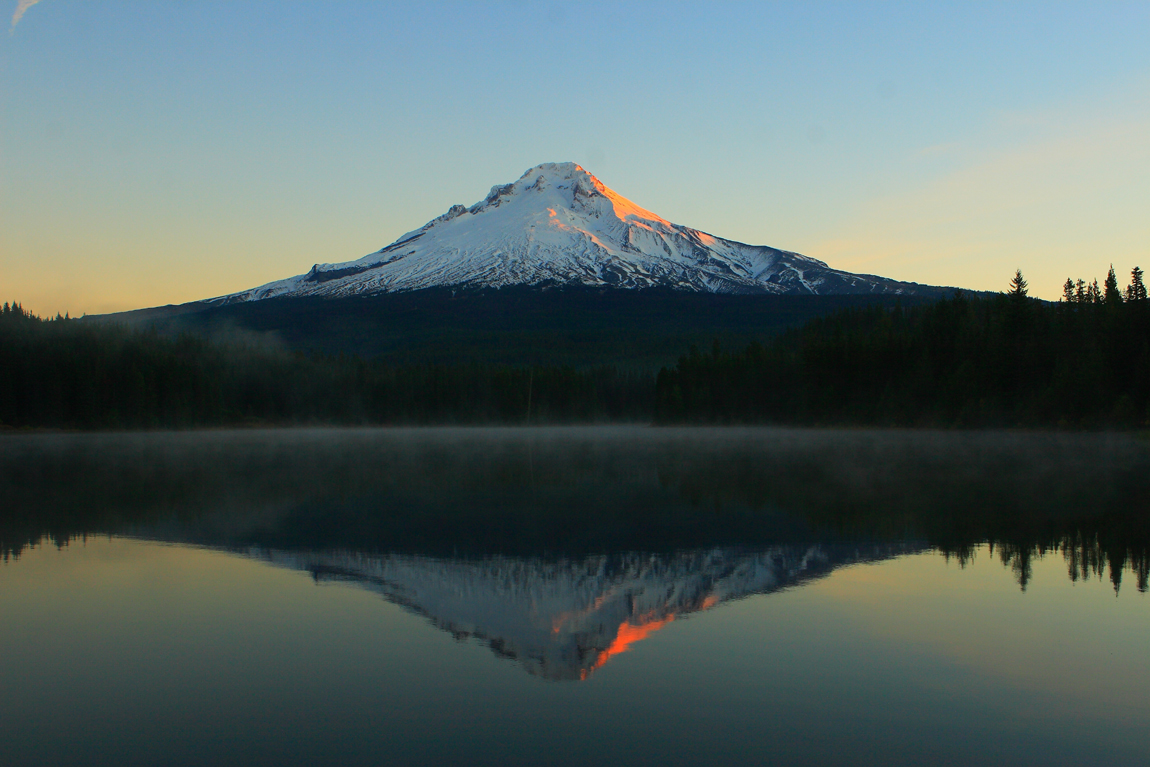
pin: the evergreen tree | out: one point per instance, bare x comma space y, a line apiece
1094, 295
1137, 290
1080, 292
1018, 285
1111, 294
1068, 291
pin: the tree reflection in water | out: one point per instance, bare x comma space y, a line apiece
558, 494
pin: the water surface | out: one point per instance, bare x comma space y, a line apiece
564, 596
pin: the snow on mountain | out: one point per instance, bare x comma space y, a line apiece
558, 224
564, 619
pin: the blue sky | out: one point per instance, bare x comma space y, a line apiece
160, 152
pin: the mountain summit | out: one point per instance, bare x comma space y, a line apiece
558, 224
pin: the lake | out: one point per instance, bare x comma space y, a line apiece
574, 596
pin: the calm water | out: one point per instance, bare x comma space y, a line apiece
574, 596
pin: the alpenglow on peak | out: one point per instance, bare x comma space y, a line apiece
560, 225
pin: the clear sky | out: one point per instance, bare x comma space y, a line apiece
160, 152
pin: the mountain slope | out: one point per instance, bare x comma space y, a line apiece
558, 224
517, 325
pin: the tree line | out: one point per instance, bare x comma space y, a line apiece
72, 374
998, 361
525, 494
965, 361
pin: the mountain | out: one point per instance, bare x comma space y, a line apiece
559, 225
556, 269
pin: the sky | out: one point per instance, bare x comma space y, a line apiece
161, 152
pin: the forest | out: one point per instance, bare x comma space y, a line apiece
967, 361
529, 494
517, 325
1005, 360
64, 373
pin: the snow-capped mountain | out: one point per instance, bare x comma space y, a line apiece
558, 224
564, 619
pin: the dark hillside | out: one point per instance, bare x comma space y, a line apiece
576, 326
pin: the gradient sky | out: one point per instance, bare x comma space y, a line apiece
161, 152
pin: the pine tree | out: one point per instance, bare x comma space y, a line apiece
1111, 294
1137, 290
1068, 291
1095, 295
1018, 285
1080, 291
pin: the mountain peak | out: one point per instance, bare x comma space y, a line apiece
557, 171
558, 174
567, 185
583, 183
559, 224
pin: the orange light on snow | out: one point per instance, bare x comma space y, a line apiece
627, 635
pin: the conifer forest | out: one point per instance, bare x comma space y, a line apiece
1002, 360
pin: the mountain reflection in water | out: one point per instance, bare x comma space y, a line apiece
564, 619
